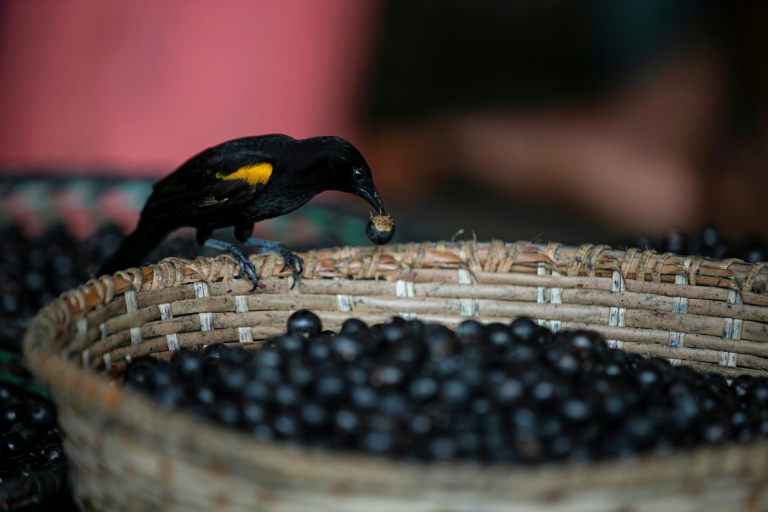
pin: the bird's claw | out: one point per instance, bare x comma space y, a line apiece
290, 260
246, 267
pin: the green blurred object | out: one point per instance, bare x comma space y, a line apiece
12, 360
83, 204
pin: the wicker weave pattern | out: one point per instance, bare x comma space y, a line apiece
127, 454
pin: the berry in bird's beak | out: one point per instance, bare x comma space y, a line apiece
380, 229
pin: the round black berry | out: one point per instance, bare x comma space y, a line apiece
305, 323
380, 229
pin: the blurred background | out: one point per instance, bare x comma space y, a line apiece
589, 121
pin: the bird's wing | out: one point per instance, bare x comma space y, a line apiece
210, 186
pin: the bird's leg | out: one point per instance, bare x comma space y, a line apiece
243, 231
290, 260
203, 234
246, 267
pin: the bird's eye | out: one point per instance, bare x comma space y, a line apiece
358, 175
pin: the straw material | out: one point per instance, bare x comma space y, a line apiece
128, 454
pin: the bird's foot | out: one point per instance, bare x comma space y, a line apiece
246, 267
290, 260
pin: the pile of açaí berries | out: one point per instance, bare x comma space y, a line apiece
497, 393
33, 469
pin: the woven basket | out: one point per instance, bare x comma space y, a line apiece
126, 453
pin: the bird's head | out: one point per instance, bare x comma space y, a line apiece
346, 170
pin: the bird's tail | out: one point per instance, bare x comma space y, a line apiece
134, 248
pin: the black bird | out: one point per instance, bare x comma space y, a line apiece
239, 183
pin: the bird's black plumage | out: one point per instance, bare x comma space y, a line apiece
241, 182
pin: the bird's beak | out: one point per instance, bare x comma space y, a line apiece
373, 198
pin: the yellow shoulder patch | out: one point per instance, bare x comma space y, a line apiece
257, 174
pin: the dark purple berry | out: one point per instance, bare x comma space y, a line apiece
12, 413
523, 328
497, 336
352, 326
214, 351
305, 323
470, 331
12, 444
189, 364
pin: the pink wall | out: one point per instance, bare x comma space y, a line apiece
145, 84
